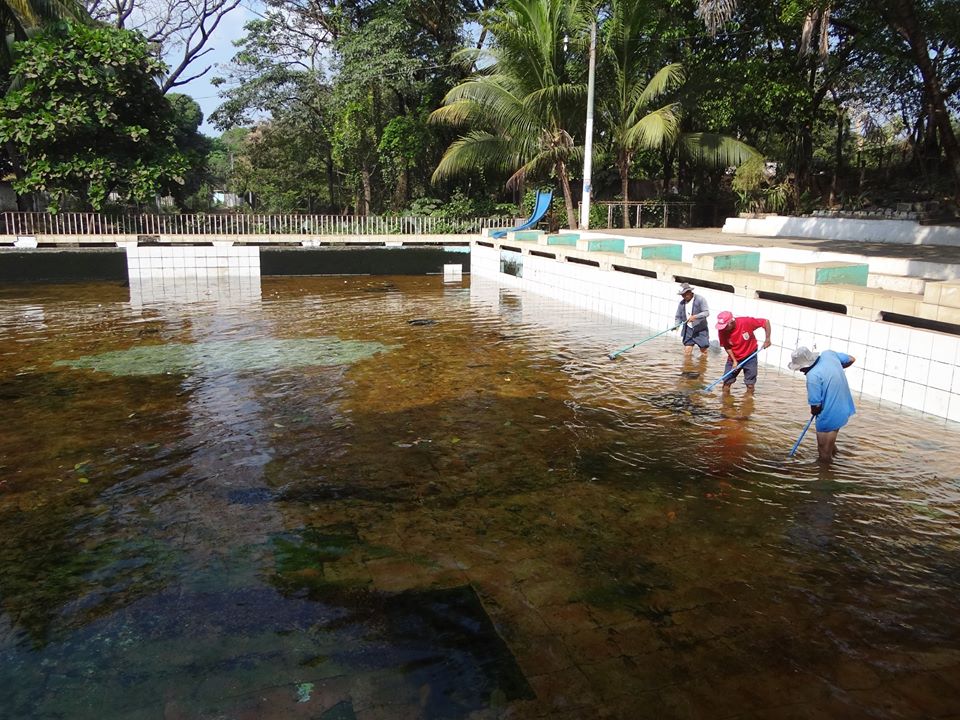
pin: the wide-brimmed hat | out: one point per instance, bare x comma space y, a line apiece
685, 288
802, 358
724, 319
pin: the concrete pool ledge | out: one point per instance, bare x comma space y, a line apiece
907, 344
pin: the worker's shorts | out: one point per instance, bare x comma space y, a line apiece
749, 369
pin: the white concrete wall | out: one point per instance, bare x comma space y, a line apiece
908, 232
221, 273
902, 366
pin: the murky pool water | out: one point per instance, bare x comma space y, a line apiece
310, 506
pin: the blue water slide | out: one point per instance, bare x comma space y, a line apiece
540, 208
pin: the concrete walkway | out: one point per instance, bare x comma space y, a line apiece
946, 254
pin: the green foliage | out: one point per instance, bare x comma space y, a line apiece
519, 109
87, 118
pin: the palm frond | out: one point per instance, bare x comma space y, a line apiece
715, 150
476, 150
715, 13
667, 79
655, 128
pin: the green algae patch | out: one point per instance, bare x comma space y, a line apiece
228, 355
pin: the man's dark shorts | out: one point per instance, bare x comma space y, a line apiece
749, 369
700, 338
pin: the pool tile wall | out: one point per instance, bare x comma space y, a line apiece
896, 365
190, 261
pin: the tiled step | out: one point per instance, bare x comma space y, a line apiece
525, 235
672, 252
561, 239
611, 245
736, 260
945, 293
827, 273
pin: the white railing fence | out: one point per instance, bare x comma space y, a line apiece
74, 223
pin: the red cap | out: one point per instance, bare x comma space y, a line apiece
724, 319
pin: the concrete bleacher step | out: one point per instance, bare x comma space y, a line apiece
560, 239
944, 292
735, 260
827, 273
865, 302
525, 235
610, 245
672, 252
897, 283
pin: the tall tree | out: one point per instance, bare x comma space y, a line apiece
86, 117
522, 103
910, 20
628, 108
19, 17
181, 29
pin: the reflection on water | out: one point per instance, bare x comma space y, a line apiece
311, 506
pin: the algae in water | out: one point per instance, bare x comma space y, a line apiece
227, 355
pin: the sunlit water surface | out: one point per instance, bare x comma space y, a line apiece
307, 505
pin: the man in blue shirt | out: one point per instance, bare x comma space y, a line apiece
827, 392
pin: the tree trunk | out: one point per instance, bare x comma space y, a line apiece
902, 16
837, 157
367, 199
331, 189
567, 195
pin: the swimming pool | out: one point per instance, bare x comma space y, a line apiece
391, 497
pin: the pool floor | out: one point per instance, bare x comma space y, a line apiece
390, 497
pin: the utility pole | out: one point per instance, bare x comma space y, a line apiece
588, 146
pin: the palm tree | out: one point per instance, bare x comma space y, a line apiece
629, 110
520, 102
19, 17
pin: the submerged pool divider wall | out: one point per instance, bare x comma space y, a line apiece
904, 366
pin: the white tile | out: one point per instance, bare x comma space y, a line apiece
878, 334
945, 349
914, 395
872, 383
892, 390
821, 343
953, 412
921, 343
808, 319
899, 338
941, 375
857, 351
823, 324
841, 327
918, 370
937, 402
855, 378
858, 330
875, 360
896, 365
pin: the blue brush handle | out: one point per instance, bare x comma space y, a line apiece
729, 372
613, 355
797, 443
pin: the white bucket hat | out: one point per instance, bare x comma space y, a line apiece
685, 288
802, 358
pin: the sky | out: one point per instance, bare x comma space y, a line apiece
221, 42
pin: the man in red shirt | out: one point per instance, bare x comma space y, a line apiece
738, 338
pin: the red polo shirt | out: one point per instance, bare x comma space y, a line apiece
739, 336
